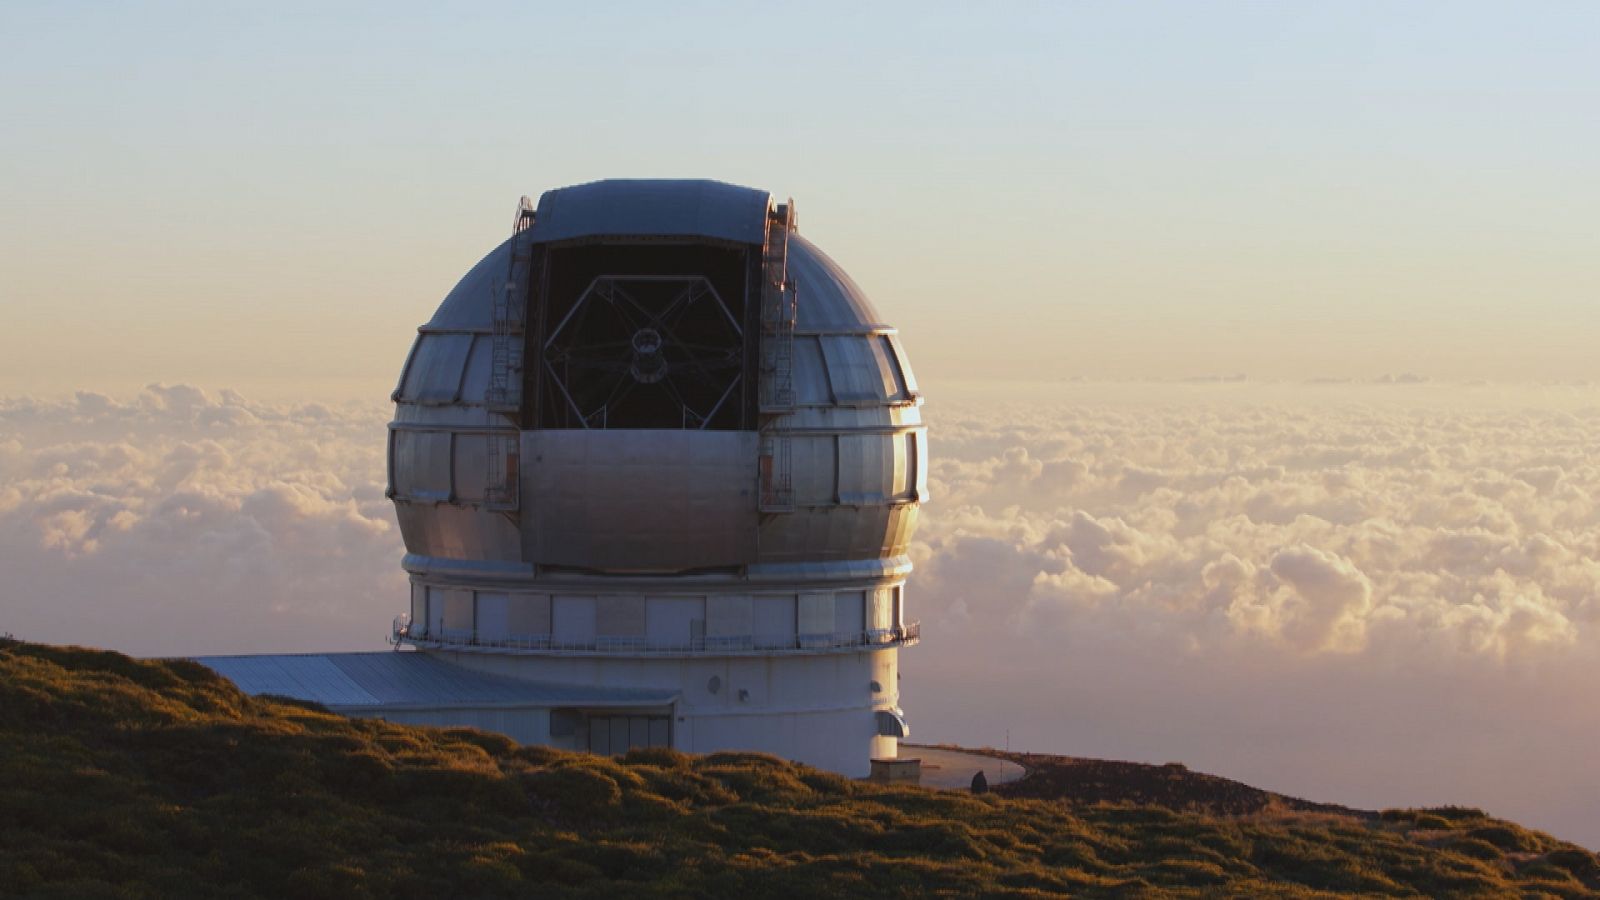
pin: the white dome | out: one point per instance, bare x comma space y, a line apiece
664, 500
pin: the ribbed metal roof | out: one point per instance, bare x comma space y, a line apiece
654, 208
389, 680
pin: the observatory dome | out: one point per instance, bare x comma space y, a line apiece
656, 422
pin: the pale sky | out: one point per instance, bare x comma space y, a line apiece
272, 197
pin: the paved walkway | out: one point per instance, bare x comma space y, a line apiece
953, 769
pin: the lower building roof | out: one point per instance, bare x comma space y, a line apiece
369, 682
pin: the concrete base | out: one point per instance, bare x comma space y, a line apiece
900, 770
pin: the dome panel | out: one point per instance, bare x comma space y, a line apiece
475, 381
858, 378
811, 386
434, 374
634, 500
446, 532
422, 465
829, 300
907, 379
470, 304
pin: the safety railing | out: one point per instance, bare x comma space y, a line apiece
406, 632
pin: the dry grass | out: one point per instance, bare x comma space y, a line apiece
122, 778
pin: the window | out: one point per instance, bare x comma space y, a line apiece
617, 734
892, 723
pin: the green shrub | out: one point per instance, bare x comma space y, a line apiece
1475, 848
1581, 863
1457, 813
657, 757
1506, 837
574, 793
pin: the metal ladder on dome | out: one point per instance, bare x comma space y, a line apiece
776, 396
503, 397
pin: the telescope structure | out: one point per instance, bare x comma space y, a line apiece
656, 461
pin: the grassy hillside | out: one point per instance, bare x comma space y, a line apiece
146, 779
1096, 781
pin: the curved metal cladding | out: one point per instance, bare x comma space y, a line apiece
686, 486
438, 439
859, 447
660, 501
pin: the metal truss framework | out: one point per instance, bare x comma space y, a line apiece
626, 335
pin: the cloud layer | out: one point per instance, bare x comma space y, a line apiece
1377, 531
1356, 593
178, 523
1378, 595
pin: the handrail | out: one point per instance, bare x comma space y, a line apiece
711, 645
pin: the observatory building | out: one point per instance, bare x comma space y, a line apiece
656, 460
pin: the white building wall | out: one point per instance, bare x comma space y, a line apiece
493, 616
528, 616
419, 605
458, 613
729, 616
572, 619
672, 620
436, 608
848, 612
880, 613
774, 620
817, 709
815, 613
839, 740
620, 616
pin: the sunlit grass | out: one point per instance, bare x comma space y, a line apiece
149, 779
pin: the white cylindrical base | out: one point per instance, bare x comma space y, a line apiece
821, 710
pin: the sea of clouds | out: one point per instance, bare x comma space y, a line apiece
1377, 594
1382, 594
175, 522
